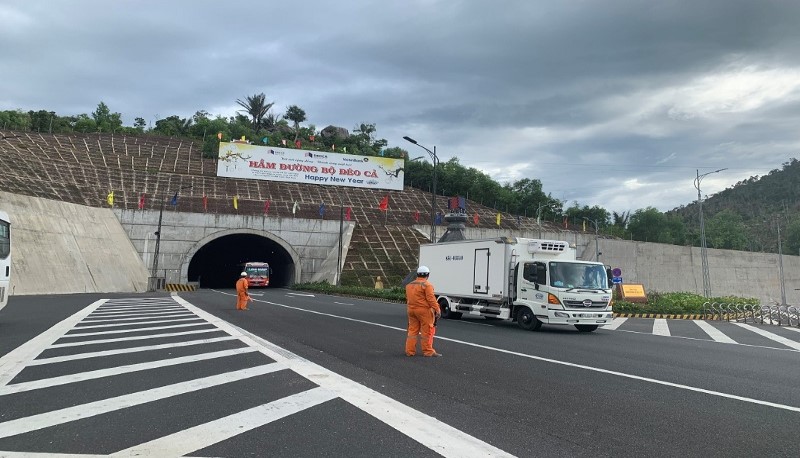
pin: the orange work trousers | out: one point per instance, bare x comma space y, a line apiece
241, 301
420, 320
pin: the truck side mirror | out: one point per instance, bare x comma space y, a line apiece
609, 275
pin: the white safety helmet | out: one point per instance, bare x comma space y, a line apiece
423, 270
243, 274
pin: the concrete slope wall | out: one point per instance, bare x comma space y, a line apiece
60, 248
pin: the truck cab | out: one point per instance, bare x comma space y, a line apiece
562, 292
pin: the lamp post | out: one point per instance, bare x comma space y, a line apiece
539, 216
596, 242
780, 263
433, 185
703, 247
154, 273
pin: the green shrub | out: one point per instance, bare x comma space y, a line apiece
676, 303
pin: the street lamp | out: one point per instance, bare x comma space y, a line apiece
433, 185
539, 216
596, 243
154, 273
780, 262
703, 247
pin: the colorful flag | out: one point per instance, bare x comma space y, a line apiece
348, 213
311, 137
235, 202
295, 207
566, 222
475, 218
110, 198
297, 143
333, 147
438, 219
141, 202
498, 219
266, 207
384, 205
284, 142
322, 210
205, 203
219, 135
174, 200
243, 139
584, 225
416, 216
344, 149
265, 140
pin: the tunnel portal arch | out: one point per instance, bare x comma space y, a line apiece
215, 261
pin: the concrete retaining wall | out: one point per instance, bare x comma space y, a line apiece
59, 248
671, 268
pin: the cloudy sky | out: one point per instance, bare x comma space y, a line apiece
609, 103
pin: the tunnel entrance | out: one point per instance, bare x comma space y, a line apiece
219, 262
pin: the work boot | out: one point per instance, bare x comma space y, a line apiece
434, 355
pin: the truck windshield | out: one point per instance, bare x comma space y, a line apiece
575, 275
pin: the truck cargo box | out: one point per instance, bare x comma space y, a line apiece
475, 269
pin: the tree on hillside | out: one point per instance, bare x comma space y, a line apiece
105, 120
726, 230
296, 115
257, 107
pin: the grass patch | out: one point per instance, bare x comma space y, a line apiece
390, 294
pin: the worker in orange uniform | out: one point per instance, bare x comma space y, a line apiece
422, 311
241, 292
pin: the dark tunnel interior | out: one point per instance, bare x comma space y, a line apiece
219, 263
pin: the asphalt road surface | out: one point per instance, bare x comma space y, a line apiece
312, 375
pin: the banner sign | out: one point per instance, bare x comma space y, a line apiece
242, 160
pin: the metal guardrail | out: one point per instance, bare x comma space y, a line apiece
777, 315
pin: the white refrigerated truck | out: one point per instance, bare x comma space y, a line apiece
530, 281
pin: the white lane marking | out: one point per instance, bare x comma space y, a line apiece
660, 327
792, 329
615, 323
343, 303
133, 311
764, 347
547, 360
12, 363
447, 441
300, 294
713, 332
100, 373
128, 314
135, 323
120, 351
122, 331
120, 320
125, 339
780, 339
477, 324
68, 414
205, 435
7, 454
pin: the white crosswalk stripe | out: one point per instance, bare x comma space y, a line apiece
713, 332
780, 339
660, 327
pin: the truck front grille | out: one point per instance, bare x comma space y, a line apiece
581, 305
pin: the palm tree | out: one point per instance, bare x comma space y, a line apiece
257, 107
296, 115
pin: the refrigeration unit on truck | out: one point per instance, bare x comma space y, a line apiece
530, 281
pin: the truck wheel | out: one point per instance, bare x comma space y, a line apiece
447, 314
586, 327
527, 320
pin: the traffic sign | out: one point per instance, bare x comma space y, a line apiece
616, 280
